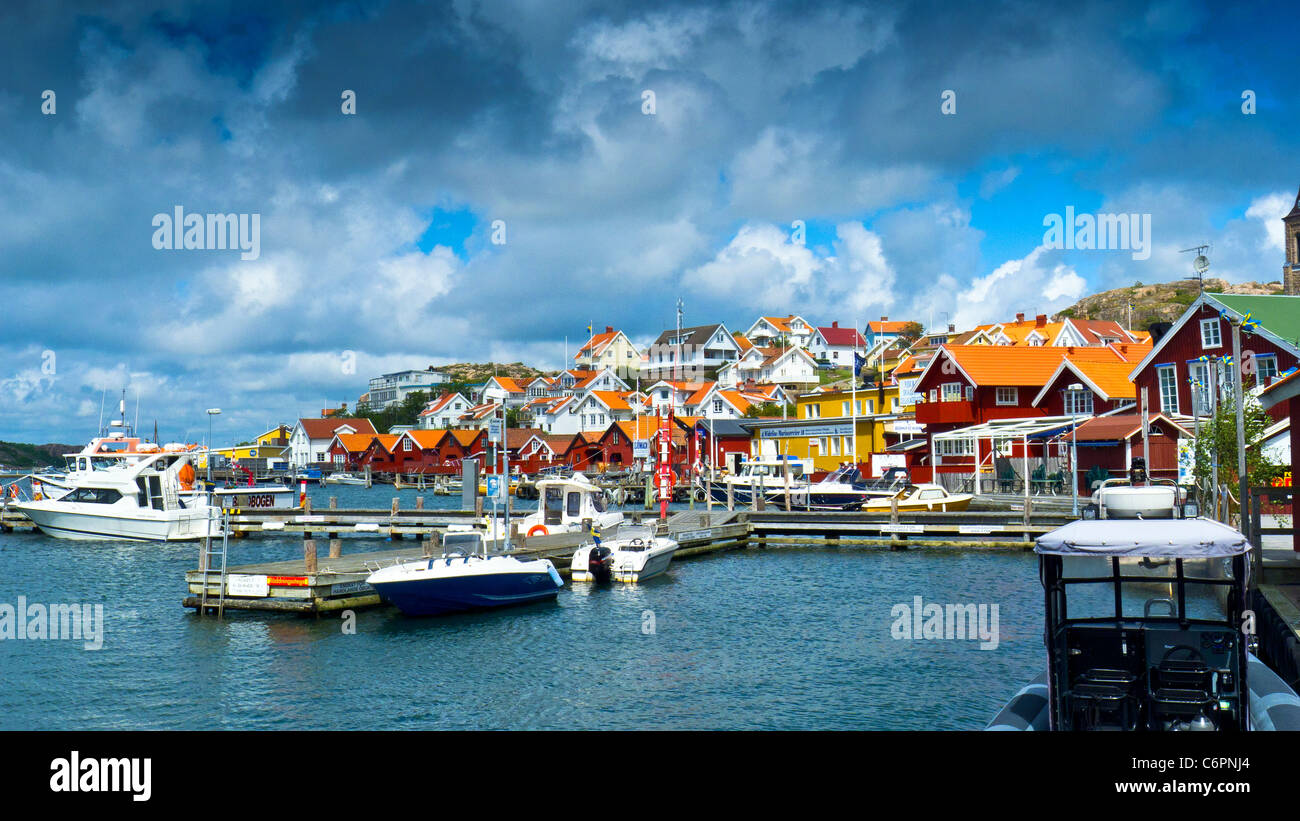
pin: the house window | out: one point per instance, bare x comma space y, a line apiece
1210, 335
934, 395
406, 444
844, 409
955, 447
1200, 389
835, 446
717, 406
1078, 403
821, 444
1265, 369
1168, 380
951, 391
1008, 396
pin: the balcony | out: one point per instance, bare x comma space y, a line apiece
946, 413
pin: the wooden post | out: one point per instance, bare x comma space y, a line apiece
334, 503
786, 465
419, 503
336, 548
393, 510
893, 510
309, 553
758, 497
306, 506
1029, 511
731, 496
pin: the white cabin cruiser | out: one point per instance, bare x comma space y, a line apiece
563, 505
635, 556
344, 479
147, 499
768, 475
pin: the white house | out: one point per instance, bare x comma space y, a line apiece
393, 388
837, 345
310, 440
691, 354
597, 409
443, 412
770, 331
793, 368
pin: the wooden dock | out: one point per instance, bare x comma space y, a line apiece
338, 582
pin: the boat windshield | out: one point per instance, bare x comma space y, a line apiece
597, 502
461, 542
1148, 588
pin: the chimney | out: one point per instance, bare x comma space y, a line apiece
1040, 320
884, 319
952, 327
1069, 350
1020, 317
609, 329
835, 324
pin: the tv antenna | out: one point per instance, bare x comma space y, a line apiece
1199, 265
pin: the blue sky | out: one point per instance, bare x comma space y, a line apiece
375, 243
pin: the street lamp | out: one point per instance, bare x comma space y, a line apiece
1074, 390
208, 459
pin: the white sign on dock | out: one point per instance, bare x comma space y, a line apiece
248, 586
494, 431
902, 528
979, 529
641, 449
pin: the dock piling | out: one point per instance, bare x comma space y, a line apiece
309, 554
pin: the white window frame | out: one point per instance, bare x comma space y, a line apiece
1208, 324
1172, 383
952, 391
1078, 403
1002, 396
1260, 377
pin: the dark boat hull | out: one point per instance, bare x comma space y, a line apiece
433, 597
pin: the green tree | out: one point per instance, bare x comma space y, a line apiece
912, 331
766, 409
1218, 436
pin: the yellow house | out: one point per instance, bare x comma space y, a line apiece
825, 430
269, 445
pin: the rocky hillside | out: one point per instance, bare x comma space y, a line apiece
1160, 302
19, 455
473, 372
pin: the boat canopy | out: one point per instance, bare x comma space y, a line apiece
1168, 538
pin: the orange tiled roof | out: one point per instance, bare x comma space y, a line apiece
612, 399
355, 442
388, 440
596, 343
1020, 365
426, 439
742, 341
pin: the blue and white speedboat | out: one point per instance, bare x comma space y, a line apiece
458, 581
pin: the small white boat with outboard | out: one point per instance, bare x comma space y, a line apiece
465, 577
1144, 631
635, 556
344, 479
563, 506
922, 498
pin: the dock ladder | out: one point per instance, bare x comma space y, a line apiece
206, 565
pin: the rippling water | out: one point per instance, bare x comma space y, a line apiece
779, 638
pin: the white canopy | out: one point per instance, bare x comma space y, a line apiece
1170, 538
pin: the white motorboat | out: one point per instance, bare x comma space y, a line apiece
465, 578
150, 498
563, 506
344, 479
1120, 499
922, 498
635, 556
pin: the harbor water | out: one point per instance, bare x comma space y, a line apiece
771, 638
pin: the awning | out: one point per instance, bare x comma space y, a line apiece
906, 445
1034, 427
1168, 538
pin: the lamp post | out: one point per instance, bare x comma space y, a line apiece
208, 459
1074, 390
1243, 481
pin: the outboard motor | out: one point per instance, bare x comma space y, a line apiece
600, 563
1137, 474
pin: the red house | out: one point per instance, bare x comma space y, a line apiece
1176, 362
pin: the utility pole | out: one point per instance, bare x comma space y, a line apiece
1243, 481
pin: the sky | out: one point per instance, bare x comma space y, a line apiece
516, 171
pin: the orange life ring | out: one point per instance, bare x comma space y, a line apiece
538, 530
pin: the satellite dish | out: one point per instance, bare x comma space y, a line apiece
1201, 264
